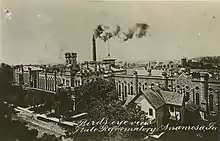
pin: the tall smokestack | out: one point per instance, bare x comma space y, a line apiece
93, 48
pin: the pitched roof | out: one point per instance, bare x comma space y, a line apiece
158, 98
173, 98
152, 97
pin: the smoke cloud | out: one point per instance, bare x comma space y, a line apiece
106, 32
138, 31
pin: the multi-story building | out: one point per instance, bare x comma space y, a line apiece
204, 92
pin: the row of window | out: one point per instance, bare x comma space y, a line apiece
50, 84
77, 83
124, 90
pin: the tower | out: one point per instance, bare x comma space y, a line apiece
71, 58
94, 48
183, 62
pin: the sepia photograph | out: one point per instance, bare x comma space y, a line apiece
109, 70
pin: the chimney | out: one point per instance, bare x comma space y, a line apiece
94, 48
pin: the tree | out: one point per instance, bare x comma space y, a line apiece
63, 102
5, 87
100, 99
11, 130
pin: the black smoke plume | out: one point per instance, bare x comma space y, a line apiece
139, 31
105, 32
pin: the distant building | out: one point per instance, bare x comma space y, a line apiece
203, 92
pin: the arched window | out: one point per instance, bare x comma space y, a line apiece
76, 83
125, 91
119, 89
132, 90
43, 83
129, 88
39, 83
187, 96
139, 89
122, 86
48, 84
52, 85
197, 99
211, 102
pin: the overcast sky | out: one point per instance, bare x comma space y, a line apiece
43, 30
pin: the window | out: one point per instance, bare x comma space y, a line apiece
125, 91
76, 82
172, 108
122, 86
67, 82
119, 89
187, 96
132, 90
139, 89
197, 98
150, 111
129, 88
211, 102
